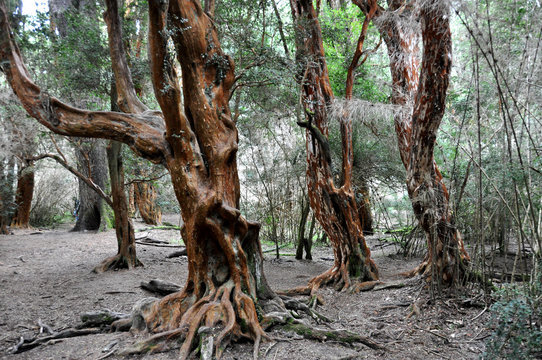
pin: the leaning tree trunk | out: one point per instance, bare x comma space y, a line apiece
91, 161
334, 207
145, 199
424, 91
197, 141
23, 198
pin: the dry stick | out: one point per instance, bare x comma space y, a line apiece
23, 346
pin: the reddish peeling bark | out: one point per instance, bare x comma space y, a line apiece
23, 198
423, 89
363, 201
197, 141
334, 207
145, 199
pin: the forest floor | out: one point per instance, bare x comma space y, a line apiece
45, 275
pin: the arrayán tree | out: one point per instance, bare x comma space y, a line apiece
196, 140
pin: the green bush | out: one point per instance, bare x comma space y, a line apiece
517, 322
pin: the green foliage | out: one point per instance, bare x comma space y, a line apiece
517, 322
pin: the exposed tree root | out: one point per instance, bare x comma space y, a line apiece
313, 333
223, 315
117, 262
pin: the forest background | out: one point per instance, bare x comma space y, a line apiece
487, 149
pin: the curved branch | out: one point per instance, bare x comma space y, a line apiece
142, 132
77, 173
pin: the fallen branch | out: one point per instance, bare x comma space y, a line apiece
25, 345
158, 244
177, 253
160, 227
161, 287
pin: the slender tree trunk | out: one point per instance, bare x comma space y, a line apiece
334, 207
305, 210
23, 198
131, 200
126, 257
91, 161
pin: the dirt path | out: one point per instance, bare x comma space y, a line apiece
46, 275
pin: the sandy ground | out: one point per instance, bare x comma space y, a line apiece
45, 275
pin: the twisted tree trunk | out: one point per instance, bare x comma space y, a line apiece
421, 90
334, 207
197, 141
145, 199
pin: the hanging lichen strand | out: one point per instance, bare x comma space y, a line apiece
197, 141
334, 207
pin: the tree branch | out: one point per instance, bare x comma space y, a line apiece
77, 173
143, 132
324, 144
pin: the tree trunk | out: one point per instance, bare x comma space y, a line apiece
91, 161
305, 209
23, 198
7, 177
425, 92
145, 199
334, 207
197, 141
126, 257
363, 202
131, 200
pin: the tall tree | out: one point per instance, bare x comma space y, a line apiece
421, 92
334, 206
197, 141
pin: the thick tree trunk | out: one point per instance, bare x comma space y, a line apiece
126, 257
23, 198
334, 207
145, 199
91, 161
197, 141
425, 93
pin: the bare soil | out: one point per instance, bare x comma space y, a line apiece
45, 275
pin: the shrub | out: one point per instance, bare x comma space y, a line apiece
517, 321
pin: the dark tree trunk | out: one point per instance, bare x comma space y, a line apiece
7, 204
334, 207
301, 239
23, 198
91, 161
363, 202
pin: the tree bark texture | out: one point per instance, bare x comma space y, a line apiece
7, 177
334, 207
421, 90
145, 200
91, 161
363, 202
197, 141
23, 198
126, 257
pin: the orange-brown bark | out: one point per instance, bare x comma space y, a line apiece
197, 141
334, 207
23, 198
145, 199
421, 90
